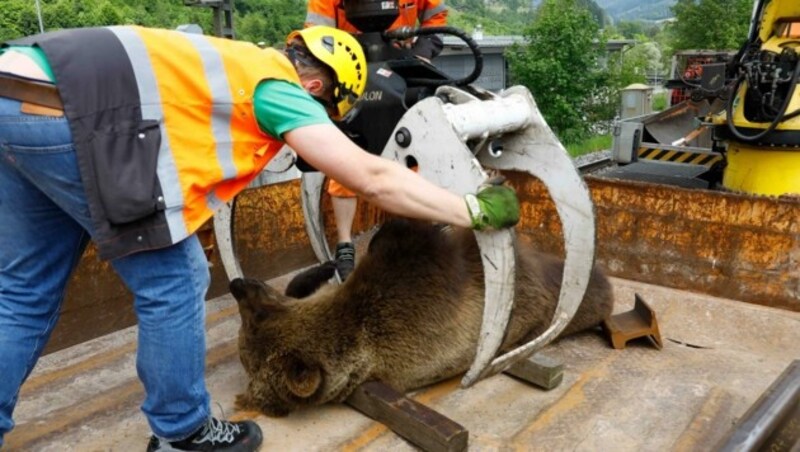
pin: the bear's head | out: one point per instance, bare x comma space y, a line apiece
295, 352
281, 377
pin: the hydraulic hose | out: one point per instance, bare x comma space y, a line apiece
781, 116
407, 32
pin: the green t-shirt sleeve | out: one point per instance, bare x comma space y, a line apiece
36, 54
282, 106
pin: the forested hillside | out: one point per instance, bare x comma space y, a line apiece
637, 9
619, 10
256, 20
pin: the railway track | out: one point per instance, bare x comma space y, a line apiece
593, 163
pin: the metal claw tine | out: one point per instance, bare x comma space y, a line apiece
311, 184
537, 151
223, 230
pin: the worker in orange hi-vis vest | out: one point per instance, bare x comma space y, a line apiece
413, 13
426, 13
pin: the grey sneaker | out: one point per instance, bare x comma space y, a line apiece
345, 259
215, 435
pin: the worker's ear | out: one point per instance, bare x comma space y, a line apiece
313, 86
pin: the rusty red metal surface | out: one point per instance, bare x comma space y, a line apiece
734, 246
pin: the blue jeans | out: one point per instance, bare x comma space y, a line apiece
44, 228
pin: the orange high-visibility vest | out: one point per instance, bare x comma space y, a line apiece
163, 125
203, 88
428, 13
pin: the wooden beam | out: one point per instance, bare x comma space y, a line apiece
420, 425
539, 370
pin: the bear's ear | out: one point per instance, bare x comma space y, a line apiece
256, 294
302, 378
257, 302
244, 288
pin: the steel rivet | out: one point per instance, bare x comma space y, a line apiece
139, 239
141, 136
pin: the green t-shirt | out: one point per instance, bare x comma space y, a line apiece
280, 106
36, 54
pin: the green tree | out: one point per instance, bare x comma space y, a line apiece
638, 62
595, 10
711, 24
17, 17
269, 20
629, 29
254, 20
468, 22
624, 68
560, 65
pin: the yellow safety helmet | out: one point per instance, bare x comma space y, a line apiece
340, 51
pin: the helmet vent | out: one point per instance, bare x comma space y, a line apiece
327, 42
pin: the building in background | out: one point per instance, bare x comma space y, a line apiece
456, 59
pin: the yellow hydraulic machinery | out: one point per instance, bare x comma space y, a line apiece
759, 129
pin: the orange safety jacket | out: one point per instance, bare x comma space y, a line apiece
163, 125
429, 13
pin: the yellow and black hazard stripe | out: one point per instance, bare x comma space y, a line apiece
678, 156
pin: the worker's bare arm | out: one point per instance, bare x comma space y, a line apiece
380, 181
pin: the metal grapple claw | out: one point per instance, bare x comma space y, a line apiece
441, 133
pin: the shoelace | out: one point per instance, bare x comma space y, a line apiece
217, 431
346, 254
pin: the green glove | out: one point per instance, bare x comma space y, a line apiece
494, 205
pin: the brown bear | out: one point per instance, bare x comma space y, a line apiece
409, 315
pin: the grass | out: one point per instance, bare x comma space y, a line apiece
660, 101
596, 143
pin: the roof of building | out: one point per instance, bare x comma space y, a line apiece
503, 41
485, 41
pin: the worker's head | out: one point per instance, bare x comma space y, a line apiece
331, 66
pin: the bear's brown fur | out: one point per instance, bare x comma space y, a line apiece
409, 315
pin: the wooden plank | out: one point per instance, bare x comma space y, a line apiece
538, 370
418, 424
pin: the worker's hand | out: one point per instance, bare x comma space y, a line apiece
403, 44
495, 205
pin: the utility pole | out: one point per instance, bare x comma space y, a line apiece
223, 15
39, 15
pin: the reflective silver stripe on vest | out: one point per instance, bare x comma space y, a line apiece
151, 109
428, 13
319, 19
222, 105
